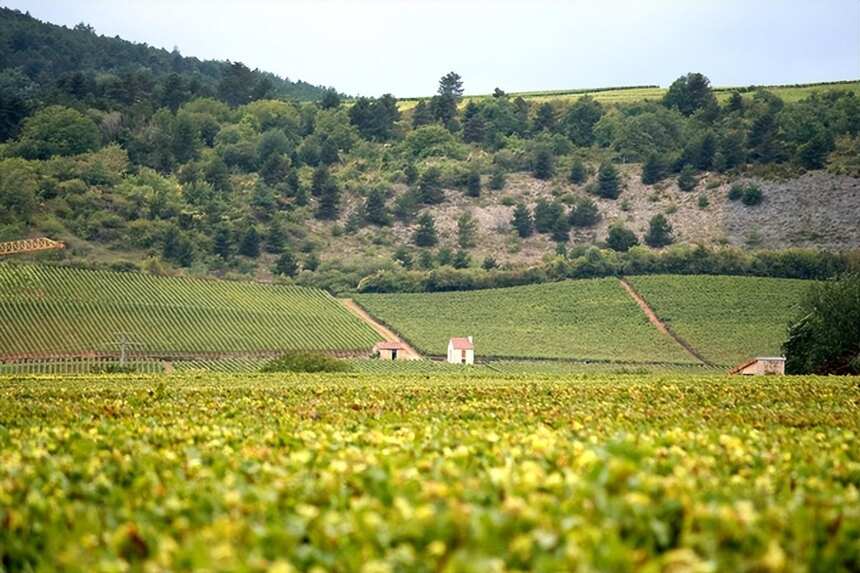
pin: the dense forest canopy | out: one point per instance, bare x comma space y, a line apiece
217, 167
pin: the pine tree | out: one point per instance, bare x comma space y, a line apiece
561, 229
328, 152
421, 114
584, 214
430, 186
222, 242
425, 234
462, 260
466, 229
473, 124
319, 180
542, 164
578, 173
544, 119
276, 239
375, 211
497, 178
249, 245
546, 214
406, 206
328, 207
653, 170
522, 220
473, 183
659, 232
608, 184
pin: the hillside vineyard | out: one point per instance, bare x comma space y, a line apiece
59, 310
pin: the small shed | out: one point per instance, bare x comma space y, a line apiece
389, 350
760, 366
461, 350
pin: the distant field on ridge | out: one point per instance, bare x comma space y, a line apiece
788, 93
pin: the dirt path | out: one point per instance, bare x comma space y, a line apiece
385, 332
661, 326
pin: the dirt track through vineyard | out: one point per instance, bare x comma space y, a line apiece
383, 330
661, 326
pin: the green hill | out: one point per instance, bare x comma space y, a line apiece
60, 310
95, 66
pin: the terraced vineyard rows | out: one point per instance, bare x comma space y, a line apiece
727, 319
582, 319
374, 473
50, 310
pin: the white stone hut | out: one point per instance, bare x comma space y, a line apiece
461, 350
761, 366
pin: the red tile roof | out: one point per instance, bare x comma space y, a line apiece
460, 343
389, 345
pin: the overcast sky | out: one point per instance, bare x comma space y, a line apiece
371, 47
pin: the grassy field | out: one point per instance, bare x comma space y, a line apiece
375, 473
583, 319
634, 94
727, 319
50, 309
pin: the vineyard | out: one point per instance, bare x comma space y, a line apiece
727, 319
582, 319
410, 473
49, 310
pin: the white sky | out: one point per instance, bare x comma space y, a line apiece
370, 47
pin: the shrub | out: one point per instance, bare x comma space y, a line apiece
621, 239
687, 179
584, 213
752, 195
303, 361
736, 192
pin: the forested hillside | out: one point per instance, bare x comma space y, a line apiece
43, 64
141, 158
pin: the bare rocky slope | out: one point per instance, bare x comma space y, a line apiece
814, 210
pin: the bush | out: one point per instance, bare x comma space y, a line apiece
621, 239
736, 192
305, 362
687, 179
752, 196
584, 214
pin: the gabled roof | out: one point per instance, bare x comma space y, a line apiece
752, 361
389, 345
459, 343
